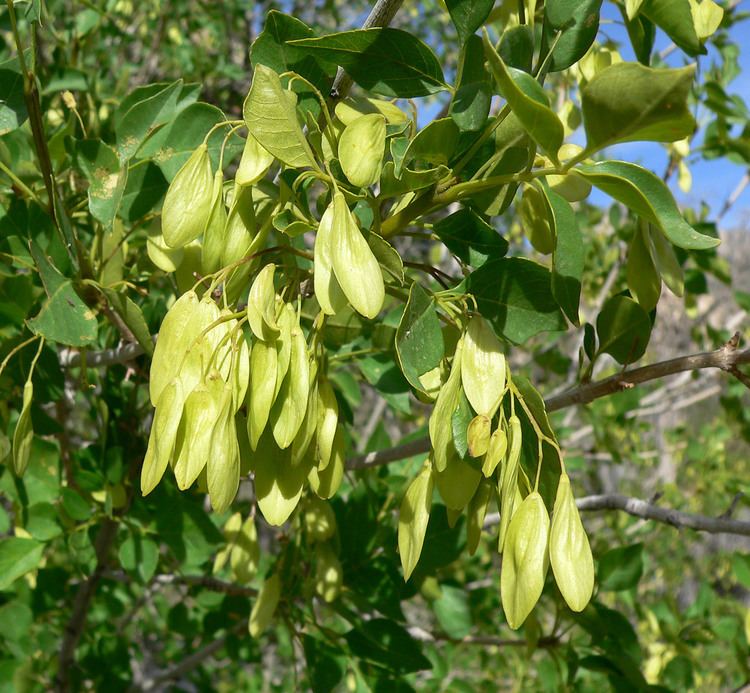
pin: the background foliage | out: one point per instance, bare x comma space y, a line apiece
101, 588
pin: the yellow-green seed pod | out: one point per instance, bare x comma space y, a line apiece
261, 305
254, 163
458, 482
328, 574
509, 480
478, 435
572, 186
223, 466
278, 483
189, 267
476, 513
328, 419
354, 107
304, 438
262, 390
325, 482
535, 219
495, 452
5, 447
239, 377
354, 264
483, 367
319, 520
216, 226
361, 149
245, 552
327, 289
23, 435
161, 441
569, 550
524, 560
264, 608
201, 413
413, 518
177, 332
187, 204
165, 258
441, 429
287, 324
241, 228
231, 532
288, 411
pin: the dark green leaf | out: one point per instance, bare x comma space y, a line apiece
132, 316
517, 47
408, 180
628, 101
515, 294
385, 61
419, 339
675, 17
621, 568
470, 105
100, 165
578, 22
528, 101
434, 143
144, 190
64, 317
642, 34
568, 255
12, 104
17, 557
325, 667
647, 195
75, 505
623, 328
470, 238
468, 15
385, 643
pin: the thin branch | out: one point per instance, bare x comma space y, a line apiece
648, 511
192, 661
74, 628
70, 358
484, 640
381, 15
209, 583
725, 358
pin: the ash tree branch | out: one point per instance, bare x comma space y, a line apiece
649, 511
727, 358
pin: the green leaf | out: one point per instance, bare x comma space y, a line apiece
434, 144
272, 49
470, 104
132, 316
144, 117
419, 339
528, 101
643, 278
139, 555
623, 328
408, 181
387, 644
568, 255
621, 568
12, 103
64, 317
647, 195
453, 611
676, 19
173, 144
515, 295
578, 23
642, 34
628, 101
468, 15
517, 47
271, 118
470, 238
18, 556
100, 165
385, 61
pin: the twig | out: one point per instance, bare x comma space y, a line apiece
648, 511
70, 358
74, 628
725, 358
192, 661
484, 640
380, 15
209, 583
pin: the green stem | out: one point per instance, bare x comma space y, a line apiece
20, 184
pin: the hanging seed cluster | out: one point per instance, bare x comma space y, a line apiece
239, 376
